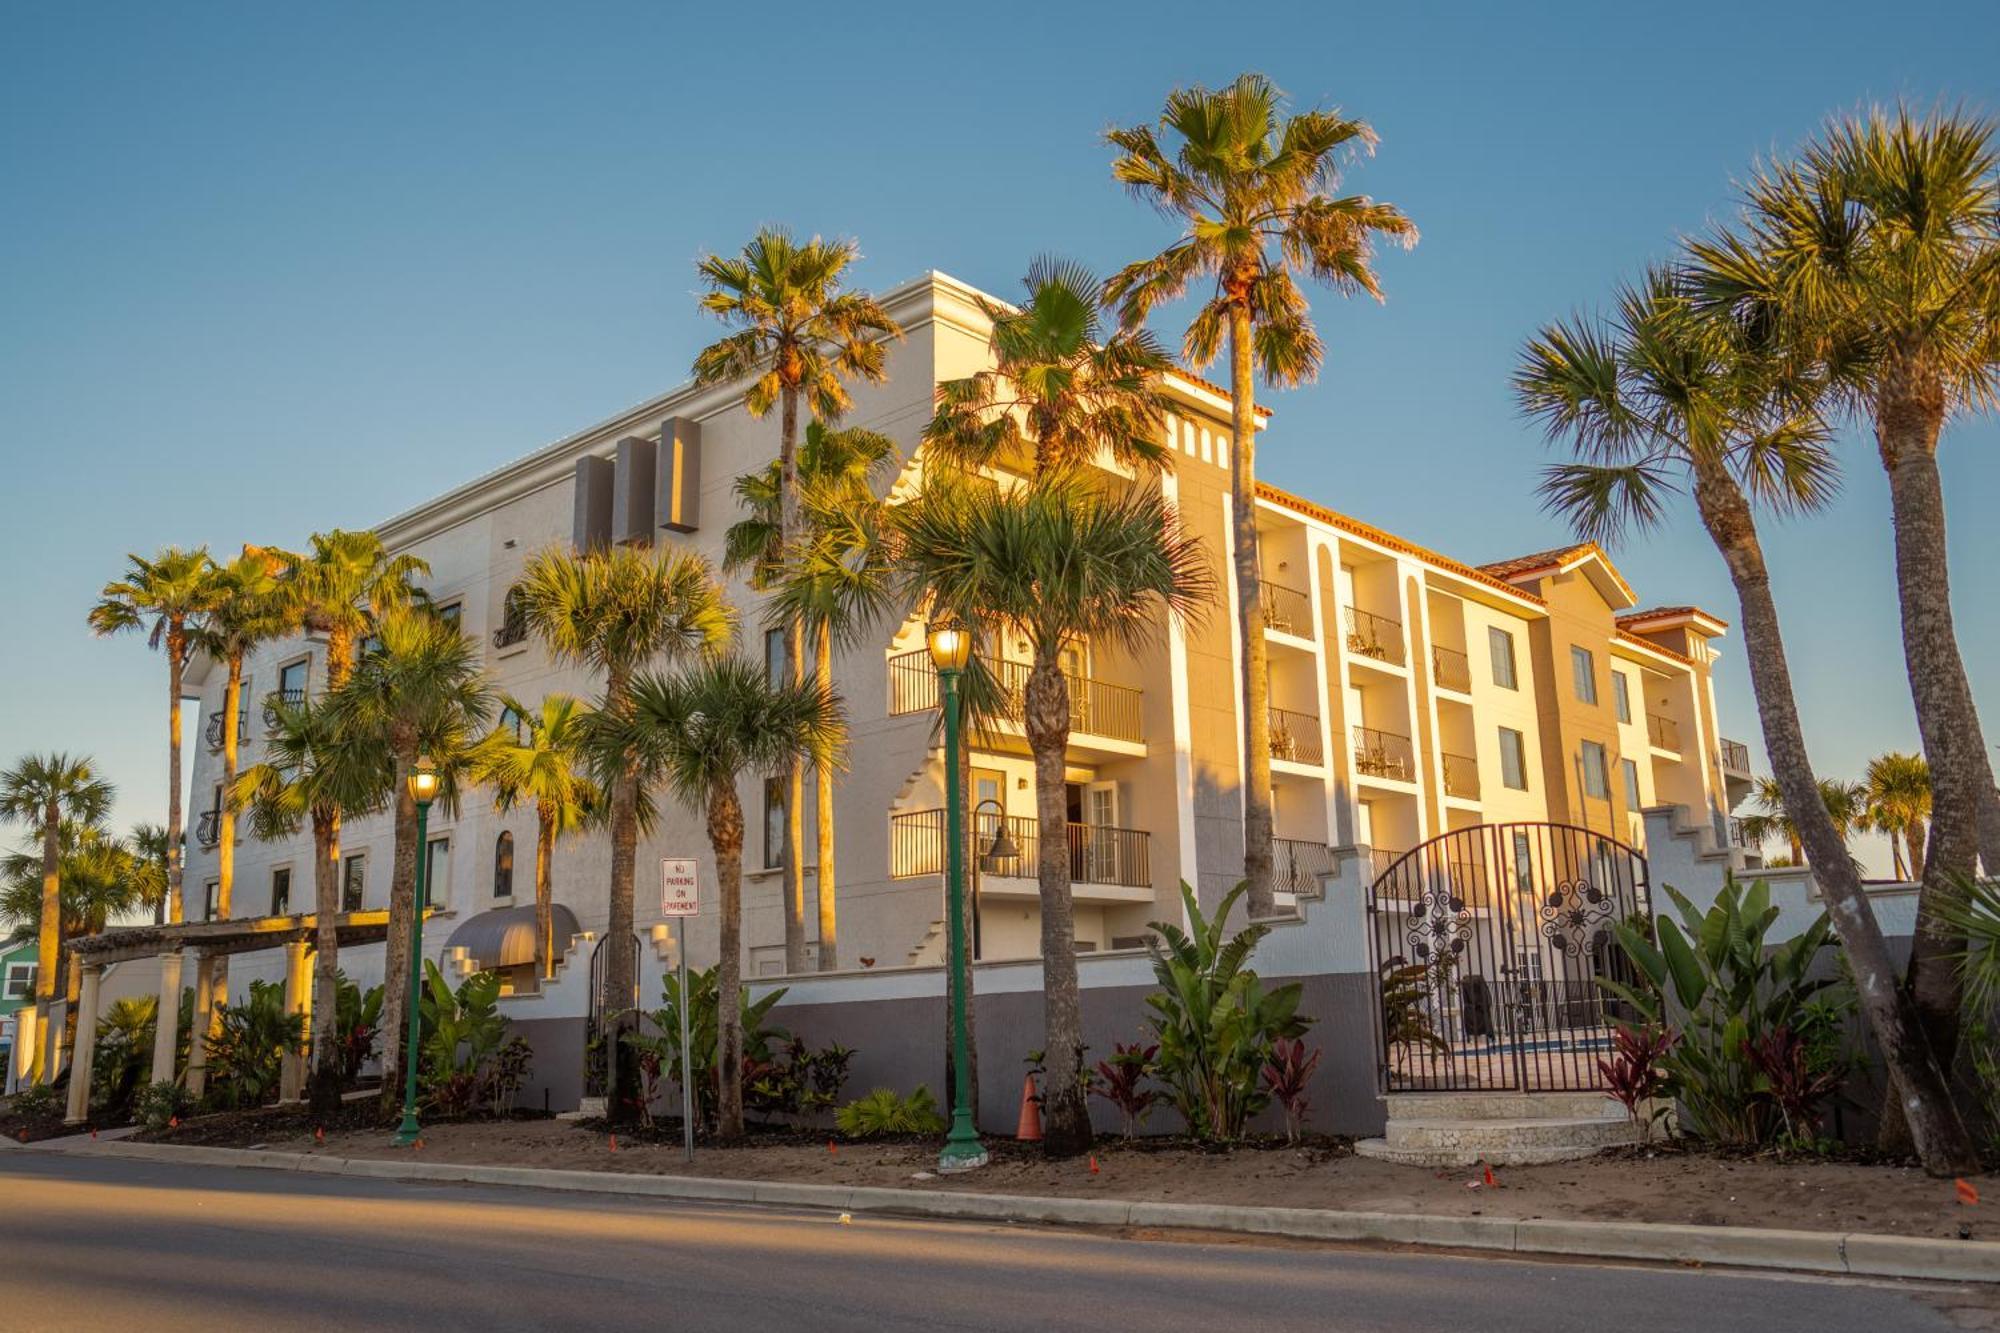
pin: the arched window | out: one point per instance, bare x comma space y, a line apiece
503, 866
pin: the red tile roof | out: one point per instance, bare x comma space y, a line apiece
1300, 505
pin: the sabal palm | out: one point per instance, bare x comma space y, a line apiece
617, 611
315, 773
101, 879
800, 335
539, 760
1055, 562
149, 843
42, 791
1897, 804
340, 585
836, 584
696, 733
1844, 804
1253, 187
162, 596
1656, 393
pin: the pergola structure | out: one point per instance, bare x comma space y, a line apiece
206, 941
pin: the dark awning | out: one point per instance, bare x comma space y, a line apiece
505, 936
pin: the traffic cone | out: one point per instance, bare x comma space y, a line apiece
1030, 1130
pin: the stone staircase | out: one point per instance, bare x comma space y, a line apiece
1501, 1128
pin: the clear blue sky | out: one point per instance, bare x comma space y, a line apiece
264, 271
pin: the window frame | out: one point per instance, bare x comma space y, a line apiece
1583, 674
22, 973
503, 861
774, 807
348, 878
433, 899
1520, 757
1621, 695
777, 658
1628, 773
1500, 648
281, 906
1596, 781
303, 664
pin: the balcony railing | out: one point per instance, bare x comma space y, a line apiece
1298, 864
513, 630
276, 698
1295, 737
1098, 854
1370, 635
1383, 754
211, 730
1096, 707
1287, 610
1461, 776
1451, 670
1664, 732
208, 829
1737, 838
1735, 756
1381, 858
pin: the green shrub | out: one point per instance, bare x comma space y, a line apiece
123, 1054
659, 1051
246, 1055
39, 1101
160, 1104
469, 1061
884, 1112
357, 1021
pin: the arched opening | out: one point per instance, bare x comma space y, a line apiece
503, 866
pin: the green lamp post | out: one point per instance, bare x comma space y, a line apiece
423, 784
950, 648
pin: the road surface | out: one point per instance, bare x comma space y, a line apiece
102, 1243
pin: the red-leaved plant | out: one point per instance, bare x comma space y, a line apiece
1286, 1074
1633, 1071
1782, 1057
1118, 1081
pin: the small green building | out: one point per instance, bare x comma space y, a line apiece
17, 992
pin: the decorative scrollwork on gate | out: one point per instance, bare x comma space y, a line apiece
1576, 917
1440, 923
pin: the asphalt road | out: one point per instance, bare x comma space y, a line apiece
99, 1243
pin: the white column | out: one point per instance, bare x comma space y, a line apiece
27, 1031
86, 1046
54, 1022
298, 1000
204, 1009
166, 1026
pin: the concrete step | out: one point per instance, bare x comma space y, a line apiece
1501, 1105
1460, 1157
1483, 1138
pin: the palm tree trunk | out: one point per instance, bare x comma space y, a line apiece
795, 664
225, 842
619, 979
176, 669
725, 835
826, 880
48, 938
396, 954
545, 912
1257, 831
1915, 836
326, 1087
1940, 1136
1065, 1112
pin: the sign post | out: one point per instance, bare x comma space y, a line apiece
680, 898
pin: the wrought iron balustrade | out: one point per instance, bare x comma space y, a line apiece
1451, 670
1298, 864
1373, 636
1735, 756
1461, 776
1383, 754
1663, 731
1098, 854
1096, 707
1287, 610
1295, 737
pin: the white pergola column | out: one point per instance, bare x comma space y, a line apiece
86, 1045
54, 1021
204, 1010
166, 1026
27, 1036
298, 1000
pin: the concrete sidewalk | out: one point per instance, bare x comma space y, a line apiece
1858, 1254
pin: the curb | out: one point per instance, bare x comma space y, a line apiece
1858, 1254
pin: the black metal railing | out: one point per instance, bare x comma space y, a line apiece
1663, 731
1377, 637
1737, 837
280, 698
1297, 864
1381, 858
513, 624
211, 730
208, 828
1451, 670
1287, 610
1096, 707
1383, 754
596, 1037
1735, 756
1461, 775
1295, 737
1098, 854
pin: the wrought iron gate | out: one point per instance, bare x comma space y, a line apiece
1489, 944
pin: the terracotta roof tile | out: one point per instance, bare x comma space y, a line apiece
1522, 564
1301, 505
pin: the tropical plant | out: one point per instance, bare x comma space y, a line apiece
101, 879
798, 1080
883, 1111
123, 1053
1215, 1019
246, 1053
538, 756
1976, 915
1253, 188
799, 336
161, 596
1632, 1072
1896, 796
1843, 801
660, 1049
340, 586
160, 1104
468, 1058
152, 866
43, 790
1121, 1081
1406, 1003
1287, 1076
357, 1021
616, 611
1054, 562
696, 733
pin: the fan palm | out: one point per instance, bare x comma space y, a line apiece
43, 790
1657, 392
697, 733
799, 336
1054, 563
616, 611
340, 585
1253, 187
161, 596
538, 761
149, 843
1897, 804
101, 878
1844, 803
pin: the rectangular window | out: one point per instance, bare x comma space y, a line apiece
281, 891
353, 881
292, 680
774, 657
1501, 644
774, 823
210, 892
1629, 771
20, 981
437, 873
1584, 669
1621, 695
451, 613
1596, 776
1513, 759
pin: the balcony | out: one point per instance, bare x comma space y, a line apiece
1377, 638
1295, 738
1383, 754
276, 699
1099, 856
208, 829
1451, 670
1735, 756
1298, 864
1737, 838
1287, 610
1381, 858
1096, 707
1461, 776
1663, 732
211, 730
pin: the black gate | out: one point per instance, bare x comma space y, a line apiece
1489, 944
595, 1037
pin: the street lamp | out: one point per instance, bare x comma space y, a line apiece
950, 648
423, 785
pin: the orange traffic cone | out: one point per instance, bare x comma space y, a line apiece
1030, 1130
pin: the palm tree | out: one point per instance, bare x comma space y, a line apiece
1655, 392
149, 843
316, 772
162, 595
43, 790
1878, 251
798, 336
1844, 803
1254, 188
538, 760
835, 586
617, 611
420, 689
101, 878
1055, 562
340, 586
1897, 798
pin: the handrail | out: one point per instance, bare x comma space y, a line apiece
1735, 756
1451, 669
1663, 731
1383, 754
1370, 635
1096, 707
1098, 853
1295, 737
1461, 775
1286, 610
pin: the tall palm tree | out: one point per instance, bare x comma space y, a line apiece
162, 595
618, 611
101, 878
149, 844
1897, 799
799, 336
43, 790
697, 732
1054, 562
1657, 392
1253, 187
1878, 250
340, 585
420, 689
539, 760
835, 586
314, 773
